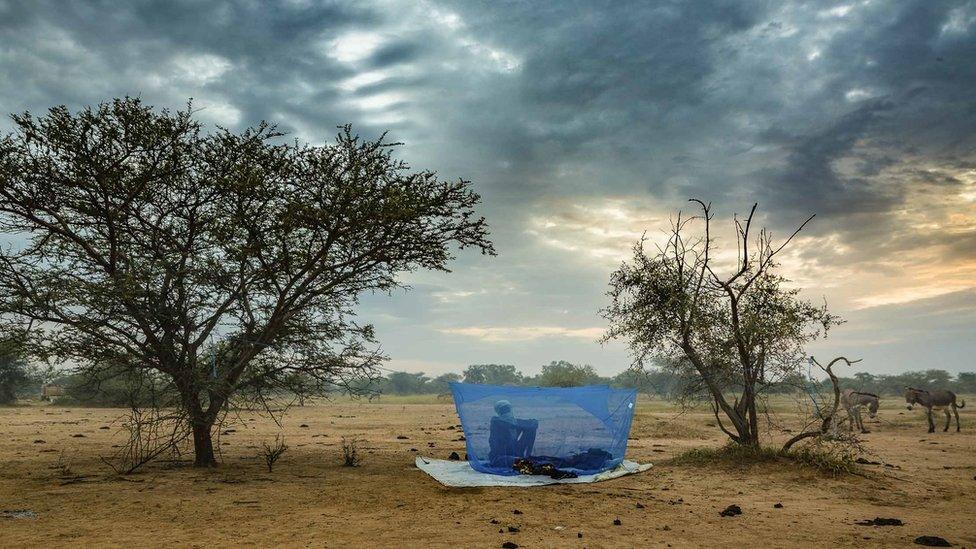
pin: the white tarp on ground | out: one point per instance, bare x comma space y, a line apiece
460, 474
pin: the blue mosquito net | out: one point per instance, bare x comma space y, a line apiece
577, 430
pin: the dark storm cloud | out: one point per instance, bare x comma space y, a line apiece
809, 180
611, 98
83, 52
864, 113
906, 55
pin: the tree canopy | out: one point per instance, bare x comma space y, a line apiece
493, 374
566, 374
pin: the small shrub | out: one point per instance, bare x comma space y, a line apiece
271, 452
730, 454
350, 452
828, 456
63, 466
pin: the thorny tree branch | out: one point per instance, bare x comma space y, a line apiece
829, 418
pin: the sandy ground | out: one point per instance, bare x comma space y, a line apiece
312, 500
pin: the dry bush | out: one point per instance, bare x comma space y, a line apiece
350, 452
152, 432
63, 466
272, 452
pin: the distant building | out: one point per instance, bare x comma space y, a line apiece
50, 392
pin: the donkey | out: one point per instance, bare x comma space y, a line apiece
939, 399
853, 401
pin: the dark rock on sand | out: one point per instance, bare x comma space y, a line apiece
731, 511
878, 521
932, 541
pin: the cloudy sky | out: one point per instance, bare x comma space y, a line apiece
583, 124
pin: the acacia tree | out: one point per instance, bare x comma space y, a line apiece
226, 263
566, 374
735, 333
493, 374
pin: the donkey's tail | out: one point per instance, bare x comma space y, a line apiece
963, 405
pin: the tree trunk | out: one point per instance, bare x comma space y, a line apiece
203, 449
745, 419
749, 433
753, 436
200, 422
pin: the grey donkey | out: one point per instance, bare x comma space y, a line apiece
939, 399
853, 401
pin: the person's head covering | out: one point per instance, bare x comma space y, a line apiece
503, 409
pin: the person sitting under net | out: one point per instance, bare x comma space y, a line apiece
509, 438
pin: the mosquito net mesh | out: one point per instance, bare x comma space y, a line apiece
575, 430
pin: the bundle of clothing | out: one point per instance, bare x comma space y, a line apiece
556, 468
534, 466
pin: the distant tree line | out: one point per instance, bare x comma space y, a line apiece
17, 379
555, 374
894, 384
658, 382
